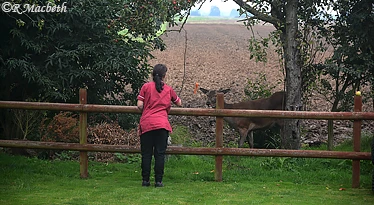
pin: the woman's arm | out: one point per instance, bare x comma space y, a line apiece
178, 103
140, 105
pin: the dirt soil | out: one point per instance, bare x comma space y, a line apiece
216, 55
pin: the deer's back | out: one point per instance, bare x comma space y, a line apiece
274, 102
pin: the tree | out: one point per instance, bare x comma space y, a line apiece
214, 11
195, 13
49, 56
234, 13
283, 16
351, 33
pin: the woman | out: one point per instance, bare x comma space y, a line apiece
372, 160
154, 100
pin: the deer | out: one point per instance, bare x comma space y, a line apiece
245, 125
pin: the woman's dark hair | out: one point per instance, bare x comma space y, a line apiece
159, 71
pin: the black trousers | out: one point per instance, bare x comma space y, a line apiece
372, 160
153, 143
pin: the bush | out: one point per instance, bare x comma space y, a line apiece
125, 121
180, 136
112, 134
64, 127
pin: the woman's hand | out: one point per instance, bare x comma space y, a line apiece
140, 105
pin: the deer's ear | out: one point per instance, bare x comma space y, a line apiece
205, 91
224, 91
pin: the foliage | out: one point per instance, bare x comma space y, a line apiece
310, 35
346, 25
276, 163
284, 16
65, 155
365, 143
128, 158
64, 127
180, 136
28, 122
260, 87
288, 163
125, 120
49, 56
313, 44
52, 60
112, 134
258, 47
352, 65
144, 18
347, 30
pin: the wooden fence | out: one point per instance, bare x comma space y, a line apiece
219, 151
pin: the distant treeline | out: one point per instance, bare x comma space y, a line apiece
215, 11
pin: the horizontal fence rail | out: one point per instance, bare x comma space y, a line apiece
357, 116
188, 150
191, 111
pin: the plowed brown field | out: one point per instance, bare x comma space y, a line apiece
216, 55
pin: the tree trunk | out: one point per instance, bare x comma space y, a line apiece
291, 135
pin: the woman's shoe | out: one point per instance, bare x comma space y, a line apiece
146, 183
159, 184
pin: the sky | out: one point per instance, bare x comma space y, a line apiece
224, 7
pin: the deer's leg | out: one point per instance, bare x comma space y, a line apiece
250, 139
250, 130
243, 135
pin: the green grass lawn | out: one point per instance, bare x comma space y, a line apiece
188, 180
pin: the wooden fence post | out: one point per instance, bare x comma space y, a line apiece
356, 141
219, 138
83, 157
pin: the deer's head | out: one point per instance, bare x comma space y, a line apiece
212, 95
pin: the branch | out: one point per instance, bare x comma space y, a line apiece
258, 15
